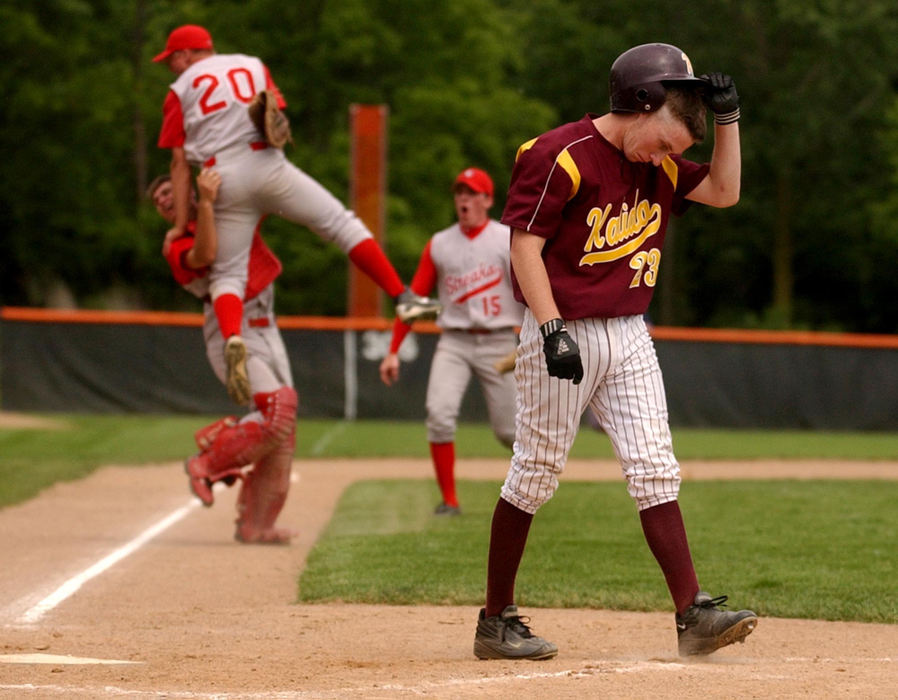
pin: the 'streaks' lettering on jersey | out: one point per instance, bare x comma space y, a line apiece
614, 237
463, 284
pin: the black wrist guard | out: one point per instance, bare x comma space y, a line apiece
550, 327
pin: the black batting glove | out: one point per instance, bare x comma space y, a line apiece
721, 97
562, 353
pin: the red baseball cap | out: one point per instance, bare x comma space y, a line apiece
476, 179
189, 36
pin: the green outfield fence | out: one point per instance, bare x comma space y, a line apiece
154, 362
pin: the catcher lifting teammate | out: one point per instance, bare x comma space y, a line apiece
588, 206
257, 450
207, 121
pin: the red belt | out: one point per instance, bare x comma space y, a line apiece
254, 145
259, 323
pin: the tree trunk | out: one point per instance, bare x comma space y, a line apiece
783, 278
140, 131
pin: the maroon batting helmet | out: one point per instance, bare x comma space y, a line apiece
639, 76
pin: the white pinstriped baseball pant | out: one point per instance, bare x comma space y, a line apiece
622, 384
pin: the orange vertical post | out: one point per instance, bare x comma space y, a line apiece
368, 187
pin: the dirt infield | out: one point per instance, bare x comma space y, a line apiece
191, 614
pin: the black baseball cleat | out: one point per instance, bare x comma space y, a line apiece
704, 628
411, 307
506, 636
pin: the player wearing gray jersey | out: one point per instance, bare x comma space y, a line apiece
469, 265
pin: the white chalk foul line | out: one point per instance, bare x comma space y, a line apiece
36, 612
596, 668
328, 437
60, 660
365, 690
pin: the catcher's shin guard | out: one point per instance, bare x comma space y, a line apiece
264, 490
279, 409
262, 497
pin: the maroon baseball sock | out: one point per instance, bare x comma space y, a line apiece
507, 539
229, 312
666, 537
443, 454
370, 259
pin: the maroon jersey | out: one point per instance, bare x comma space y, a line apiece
604, 217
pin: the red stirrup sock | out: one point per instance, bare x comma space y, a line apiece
229, 312
370, 259
666, 536
443, 455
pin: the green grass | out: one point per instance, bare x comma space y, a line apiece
814, 549
822, 550
31, 460
409, 439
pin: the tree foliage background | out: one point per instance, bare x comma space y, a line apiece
813, 243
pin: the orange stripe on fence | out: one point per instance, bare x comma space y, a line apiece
735, 335
171, 318
151, 318
340, 323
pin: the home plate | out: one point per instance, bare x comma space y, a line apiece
57, 659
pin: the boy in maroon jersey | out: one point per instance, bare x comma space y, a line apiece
588, 207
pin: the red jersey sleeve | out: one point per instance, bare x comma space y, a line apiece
269, 85
422, 283
177, 253
172, 134
425, 278
400, 330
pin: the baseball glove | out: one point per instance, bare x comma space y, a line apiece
506, 364
271, 122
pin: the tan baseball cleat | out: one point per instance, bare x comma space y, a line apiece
237, 379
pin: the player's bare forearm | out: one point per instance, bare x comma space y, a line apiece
180, 180
202, 254
726, 164
205, 243
722, 185
530, 270
389, 369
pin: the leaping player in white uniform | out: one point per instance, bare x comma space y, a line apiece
469, 264
206, 123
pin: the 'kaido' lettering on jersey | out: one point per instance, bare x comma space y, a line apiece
614, 237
